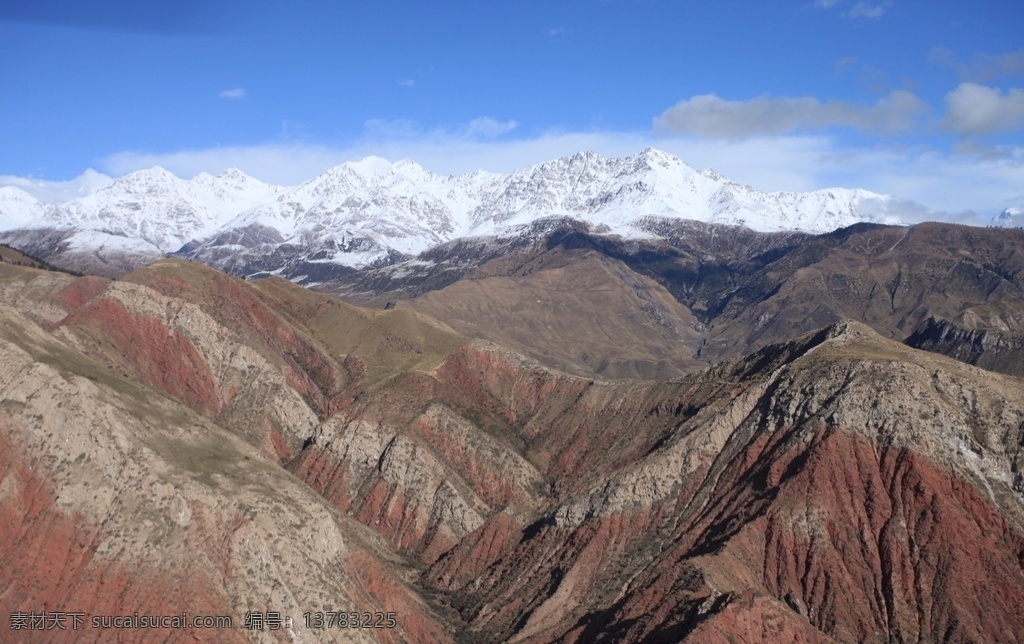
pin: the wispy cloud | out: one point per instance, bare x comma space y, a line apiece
407, 82
58, 191
974, 109
710, 116
861, 8
236, 93
484, 127
870, 9
557, 32
982, 67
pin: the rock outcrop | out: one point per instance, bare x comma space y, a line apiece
997, 348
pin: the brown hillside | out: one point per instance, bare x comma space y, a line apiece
236, 444
604, 310
577, 311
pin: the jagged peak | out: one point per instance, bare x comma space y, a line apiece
406, 165
156, 172
1012, 217
406, 208
586, 155
234, 174
710, 173
659, 155
147, 181
367, 166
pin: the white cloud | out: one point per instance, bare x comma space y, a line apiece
408, 82
392, 128
861, 9
937, 181
870, 9
58, 191
488, 127
483, 128
235, 93
710, 116
973, 109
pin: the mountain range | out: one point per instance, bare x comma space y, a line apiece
372, 212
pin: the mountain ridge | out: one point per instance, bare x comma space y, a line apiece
370, 212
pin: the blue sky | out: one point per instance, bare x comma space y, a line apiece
921, 100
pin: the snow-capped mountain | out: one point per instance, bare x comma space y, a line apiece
619, 192
368, 212
400, 205
1012, 217
19, 209
137, 218
372, 212
158, 207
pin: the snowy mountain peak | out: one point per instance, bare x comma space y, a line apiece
711, 174
654, 156
232, 180
233, 174
371, 210
586, 156
406, 165
1012, 217
154, 174
370, 166
18, 208
11, 193
148, 183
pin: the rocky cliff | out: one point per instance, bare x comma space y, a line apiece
998, 349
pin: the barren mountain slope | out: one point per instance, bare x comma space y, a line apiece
579, 311
840, 486
744, 290
9, 255
220, 346
88, 252
117, 499
889, 278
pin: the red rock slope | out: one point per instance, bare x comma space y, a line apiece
257, 444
